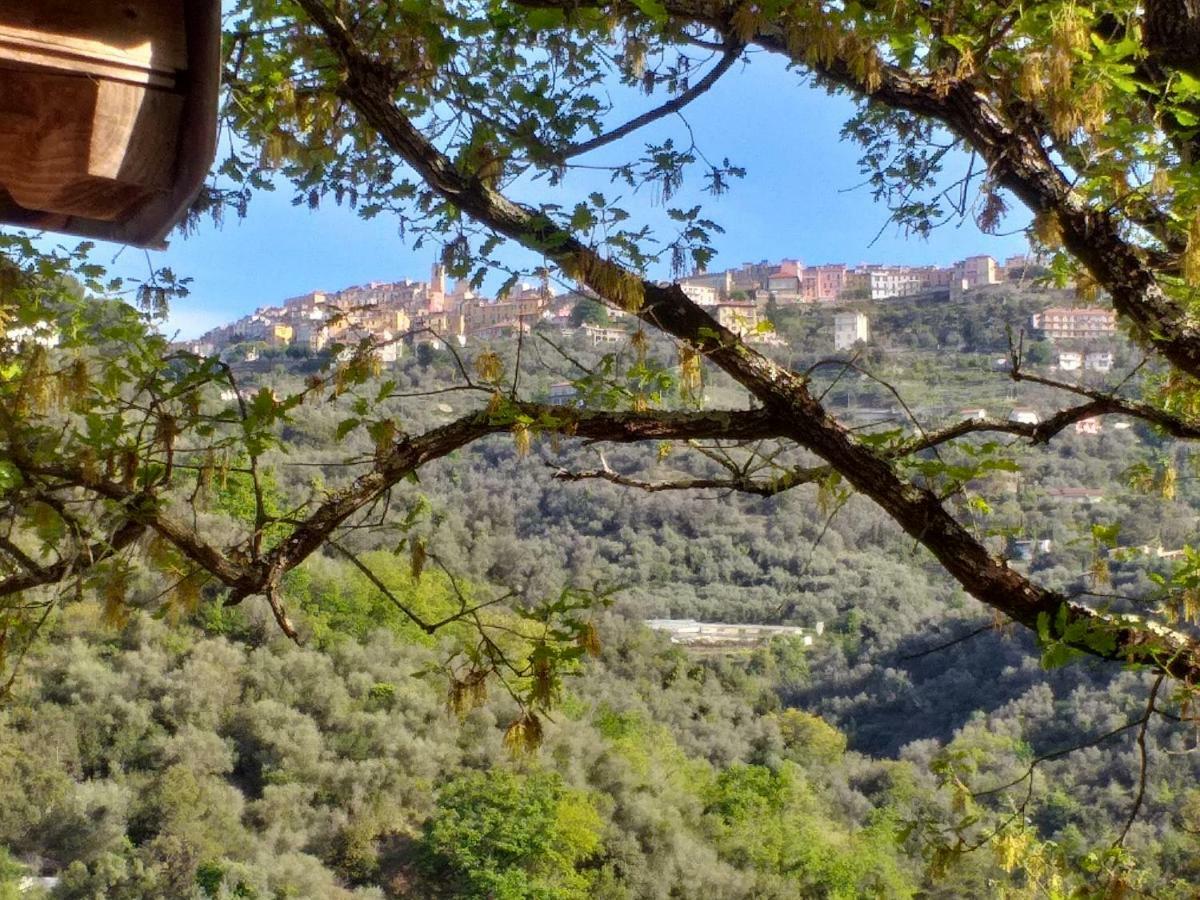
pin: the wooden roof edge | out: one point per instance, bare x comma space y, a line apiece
197, 144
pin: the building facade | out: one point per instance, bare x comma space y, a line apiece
1076, 323
848, 329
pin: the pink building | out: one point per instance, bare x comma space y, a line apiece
824, 282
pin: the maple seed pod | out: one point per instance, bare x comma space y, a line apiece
690, 371
1191, 255
129, 468
39, 391
745, 21
1047, 229
1160, 183
115, 613
74, 384
489, 366
495, 404
524, 735
385, 435
522, 439
640, 343
589, 639
1029, 81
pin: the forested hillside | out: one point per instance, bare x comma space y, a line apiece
196, 752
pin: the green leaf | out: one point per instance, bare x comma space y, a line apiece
544, 19
653, 9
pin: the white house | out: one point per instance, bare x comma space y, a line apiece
849, 328
700, 293
1070, 361
562, 393
1024, 415
1099, 361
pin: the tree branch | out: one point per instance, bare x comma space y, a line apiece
732, 50
783, 393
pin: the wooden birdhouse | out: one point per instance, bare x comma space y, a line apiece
108, 113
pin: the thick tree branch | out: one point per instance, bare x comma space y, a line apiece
785, 394
247, 573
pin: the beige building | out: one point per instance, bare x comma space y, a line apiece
702, 294
720, 284
978, 271
522, 308
740, 318
1076, 323
848, 329
882, 282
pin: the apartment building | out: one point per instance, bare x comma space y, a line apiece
977, 271
740, 318
883, 282
787, 282
848, 329
719, 284
824, 283
1060, 323
702, 294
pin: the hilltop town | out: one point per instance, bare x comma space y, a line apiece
391, 314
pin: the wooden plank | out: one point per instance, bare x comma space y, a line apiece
41, 142
134, 134
22, 57
146, 34
47, 148
152, 222
47, 132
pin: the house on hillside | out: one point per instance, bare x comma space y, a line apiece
787, 282
703, 294
563, 393
740, 318
824, 283
973, 272
848, 329
601, 335
1070, 361
1024, 415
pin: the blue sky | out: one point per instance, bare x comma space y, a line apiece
797, 200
